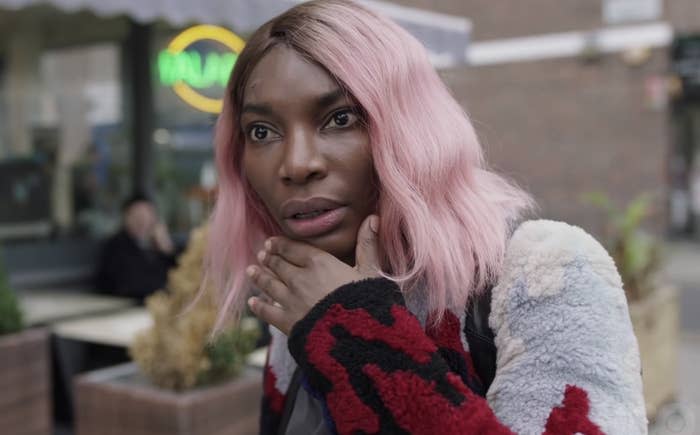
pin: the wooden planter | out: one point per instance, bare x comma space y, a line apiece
25, 383
656, 323
118, 401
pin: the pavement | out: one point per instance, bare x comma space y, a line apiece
682, 417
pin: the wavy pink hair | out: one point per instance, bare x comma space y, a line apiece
444, 217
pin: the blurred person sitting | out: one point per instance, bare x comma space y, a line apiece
135, 261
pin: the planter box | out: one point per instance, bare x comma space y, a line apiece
25, 383
656, 323
119, 400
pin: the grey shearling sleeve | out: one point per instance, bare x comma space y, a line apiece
563, 336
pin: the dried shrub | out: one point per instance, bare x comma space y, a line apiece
175, 353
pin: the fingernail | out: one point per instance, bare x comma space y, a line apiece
250, 271
251, 302
268, 244
261, 256
374, 223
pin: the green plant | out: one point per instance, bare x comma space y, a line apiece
10, 313
637, 253
227, 354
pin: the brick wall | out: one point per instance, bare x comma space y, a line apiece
564, 127
493, 19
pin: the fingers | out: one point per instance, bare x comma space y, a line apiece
272, 314
268, 284
265, 298
279, 266
367, 250
294, 252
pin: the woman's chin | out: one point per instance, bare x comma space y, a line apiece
340, 244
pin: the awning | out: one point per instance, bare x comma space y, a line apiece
445, 36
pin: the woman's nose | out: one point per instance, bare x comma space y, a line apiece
302, 161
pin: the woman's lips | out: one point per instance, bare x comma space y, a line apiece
323, 223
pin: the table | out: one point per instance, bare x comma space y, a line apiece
116, 329
41, 307
257, 357
119, 329
113, 329
93, 341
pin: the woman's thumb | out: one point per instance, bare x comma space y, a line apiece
367, 249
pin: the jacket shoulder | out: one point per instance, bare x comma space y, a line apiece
545, 257
541, 246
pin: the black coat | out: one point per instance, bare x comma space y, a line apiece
127, 269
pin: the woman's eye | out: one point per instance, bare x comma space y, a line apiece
341, 118
260, 133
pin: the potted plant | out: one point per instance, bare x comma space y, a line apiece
653, 303
179, 381
25, 382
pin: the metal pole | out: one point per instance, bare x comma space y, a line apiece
140, 110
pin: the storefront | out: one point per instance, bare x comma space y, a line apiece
120, 97
115, 98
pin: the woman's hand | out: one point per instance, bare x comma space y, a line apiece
295, 276
162, 240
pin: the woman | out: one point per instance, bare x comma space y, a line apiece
354, 196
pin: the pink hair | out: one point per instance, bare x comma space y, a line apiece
444, 217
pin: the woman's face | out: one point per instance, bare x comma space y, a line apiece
307, 152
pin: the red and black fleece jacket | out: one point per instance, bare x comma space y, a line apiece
567, 360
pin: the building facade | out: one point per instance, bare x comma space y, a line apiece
568, 98
574, 97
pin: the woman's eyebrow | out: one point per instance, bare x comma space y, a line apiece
260, 109
320, 103
329, 98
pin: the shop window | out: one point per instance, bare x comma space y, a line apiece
183, 140
78, 154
